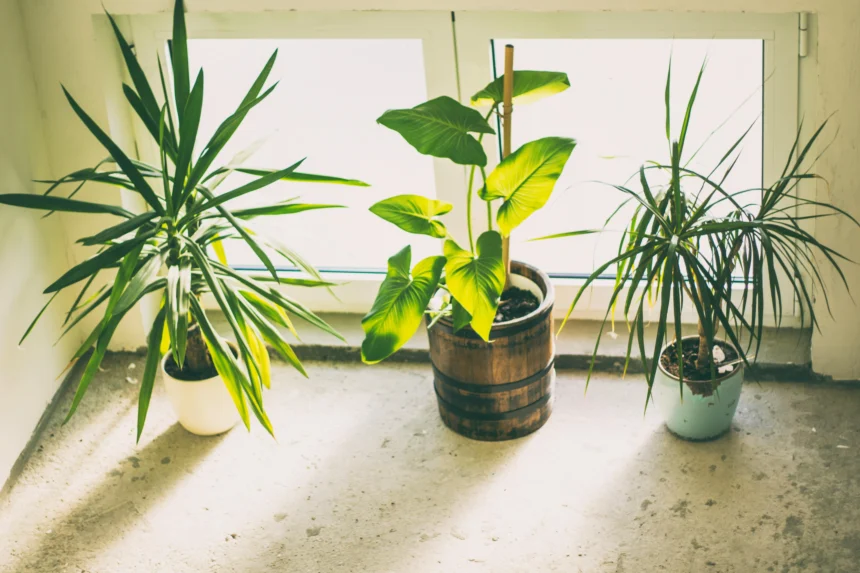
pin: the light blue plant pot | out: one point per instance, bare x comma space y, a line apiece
696, 415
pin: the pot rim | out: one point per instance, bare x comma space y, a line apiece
541, 280
735, 372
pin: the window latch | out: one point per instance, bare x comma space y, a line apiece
803, 35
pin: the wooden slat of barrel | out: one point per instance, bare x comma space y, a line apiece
495, 398
500, 389
508, 358
507, 426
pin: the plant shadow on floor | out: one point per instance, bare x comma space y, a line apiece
115, 505
363, 477
686, 506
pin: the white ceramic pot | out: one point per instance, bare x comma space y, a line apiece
694, 415
203, 407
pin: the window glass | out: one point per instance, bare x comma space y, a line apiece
330, 92
615, 110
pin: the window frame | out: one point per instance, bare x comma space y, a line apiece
457, 63
475, 30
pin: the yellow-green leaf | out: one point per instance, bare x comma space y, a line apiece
529, 86
525, 179
476, 281
414, 214
399, 306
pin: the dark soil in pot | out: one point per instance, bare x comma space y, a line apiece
516, 303
187, 374
201, 353
697, 379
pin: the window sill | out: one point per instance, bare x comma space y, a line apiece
784, 355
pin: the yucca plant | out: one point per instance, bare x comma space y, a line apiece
691, 240
166, 248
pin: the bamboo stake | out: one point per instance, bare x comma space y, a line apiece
507, 110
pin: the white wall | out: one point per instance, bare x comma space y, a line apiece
32, 253
835, 348
60, 33
66, 48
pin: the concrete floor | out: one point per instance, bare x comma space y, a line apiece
365, 478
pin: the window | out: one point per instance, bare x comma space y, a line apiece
752, 72
339, 71
614, 109
330, 92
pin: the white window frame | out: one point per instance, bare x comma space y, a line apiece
457, 64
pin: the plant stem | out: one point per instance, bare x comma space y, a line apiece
469, 205
703, 359
489, 203
197, 357
469, 189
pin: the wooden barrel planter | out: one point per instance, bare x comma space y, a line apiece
502, 389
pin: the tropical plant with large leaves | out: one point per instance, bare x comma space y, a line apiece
472, 276
731, 254
165, 250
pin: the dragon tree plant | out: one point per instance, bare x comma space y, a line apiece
691, 240
471, 275
165, 250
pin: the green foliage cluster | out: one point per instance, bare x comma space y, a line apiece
472, 277
184, 216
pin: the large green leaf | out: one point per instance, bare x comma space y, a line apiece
285, 208
101, 335
103, 332
51, 203
137, 222
284, 250
152, 125
140, 283
477, 281
106, 258
179, 57
306, 177
144, 92
229, 368
167, 106
225, 363
254, 185
459, 315
247, 344
153, 356
529, 86
414, 214
143, 100
302, 282
240, 228
37, 317
188, 125
279, 299
399, 306
127, 165
441, 127
525, 179
177, 298
271, 334
229, 126
271, 312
